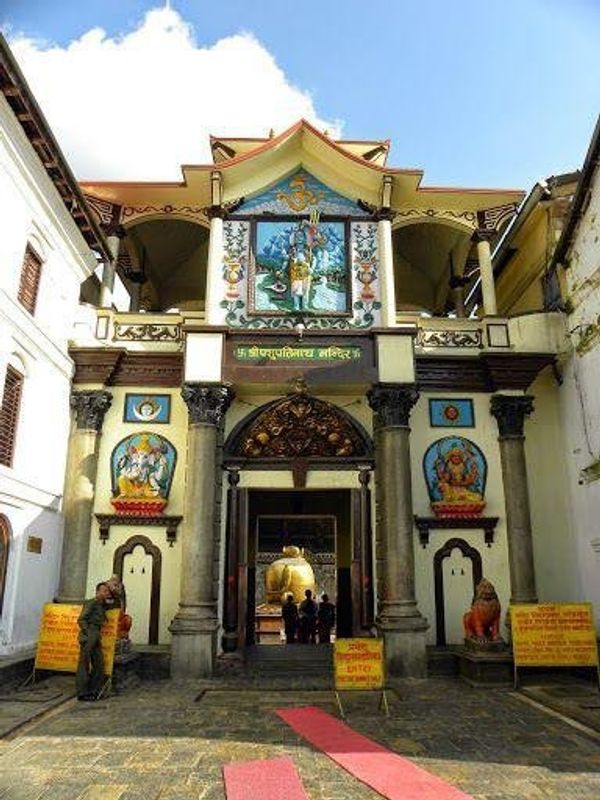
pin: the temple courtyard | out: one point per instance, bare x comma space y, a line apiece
170, 740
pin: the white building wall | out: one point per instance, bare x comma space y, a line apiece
580, 398
31, 490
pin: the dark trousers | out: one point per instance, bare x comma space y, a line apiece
308, 630
90, 669
324, 633
290, 634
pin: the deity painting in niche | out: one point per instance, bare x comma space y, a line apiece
455, 472
301, 266
142, 467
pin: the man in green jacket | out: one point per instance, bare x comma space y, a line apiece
90, 670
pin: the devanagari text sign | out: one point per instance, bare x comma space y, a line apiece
553, 635
58, 640
358, 663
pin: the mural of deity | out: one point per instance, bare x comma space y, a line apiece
301, 266
455, 472
142, 467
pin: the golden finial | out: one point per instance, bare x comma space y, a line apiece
272, 133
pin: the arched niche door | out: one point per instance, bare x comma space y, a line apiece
4, 550
445, 552
143, 555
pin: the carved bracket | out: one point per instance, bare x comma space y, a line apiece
427, 524
169, 522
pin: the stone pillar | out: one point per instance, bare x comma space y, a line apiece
386, 272
486, 273
195, 624
366, 552
230, 593
510, 412
109, 269
214, 268
82, 466
399, 619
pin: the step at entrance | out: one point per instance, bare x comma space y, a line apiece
296, 659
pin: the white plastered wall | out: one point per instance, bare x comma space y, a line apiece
101, 557
31, 489
495, 558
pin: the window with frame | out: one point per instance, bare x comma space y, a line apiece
4, 548
9, 414
29, 283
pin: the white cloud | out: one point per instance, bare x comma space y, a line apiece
138, 106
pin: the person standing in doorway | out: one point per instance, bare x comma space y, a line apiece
90, 670
308, 619
289, 613
325, 619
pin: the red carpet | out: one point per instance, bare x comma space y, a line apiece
393, 776
273, 779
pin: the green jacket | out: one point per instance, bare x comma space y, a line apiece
93, 615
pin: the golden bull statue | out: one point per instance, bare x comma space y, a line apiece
291, 574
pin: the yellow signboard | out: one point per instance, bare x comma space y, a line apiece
358, 664
554, 635
58, 641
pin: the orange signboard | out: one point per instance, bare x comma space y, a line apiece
358, 664
58, 641
554, 635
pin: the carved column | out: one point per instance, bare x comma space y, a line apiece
510, 412
386, 271
109, 268
366, 553
399, 619
230, 600
82, 466
195, 624
214, 268
486, 272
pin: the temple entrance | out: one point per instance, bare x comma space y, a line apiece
329, 528
319, 524
301, 434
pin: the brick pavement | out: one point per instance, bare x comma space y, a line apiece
157, 741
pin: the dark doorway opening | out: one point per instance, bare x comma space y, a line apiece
318, 521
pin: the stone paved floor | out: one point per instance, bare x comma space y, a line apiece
157, 741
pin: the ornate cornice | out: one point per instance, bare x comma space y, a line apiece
207, 402
392, 403
90, 406
510, 412
484, 372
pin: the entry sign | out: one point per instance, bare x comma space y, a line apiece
58, 641
358, 664
554, 635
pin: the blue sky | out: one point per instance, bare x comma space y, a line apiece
475, 93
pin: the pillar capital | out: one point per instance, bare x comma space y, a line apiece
90, 406
392, 403
510, 412
207, 402
482, 235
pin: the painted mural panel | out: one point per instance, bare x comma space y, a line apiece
300, 266
142, 467
455, 473
299, 194
302, 261
451, 413
154, 408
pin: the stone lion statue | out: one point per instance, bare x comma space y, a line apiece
482, 622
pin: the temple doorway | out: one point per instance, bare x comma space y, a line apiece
319, 524
329, 528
